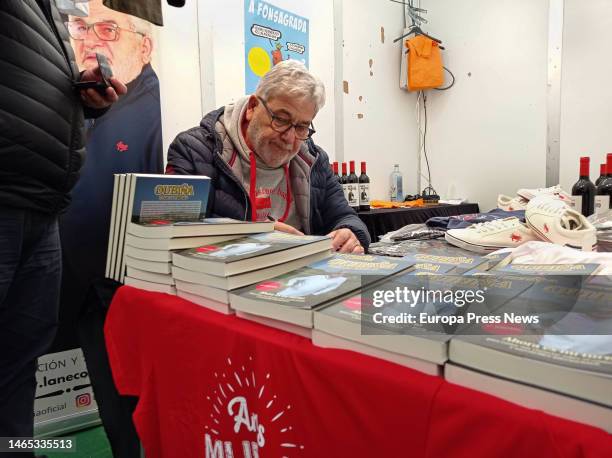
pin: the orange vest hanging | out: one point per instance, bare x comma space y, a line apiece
425, 69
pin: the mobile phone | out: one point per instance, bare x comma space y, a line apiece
105, 71
97, 85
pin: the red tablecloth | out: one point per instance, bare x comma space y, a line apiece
217, 386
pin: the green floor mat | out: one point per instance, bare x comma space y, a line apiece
90, 443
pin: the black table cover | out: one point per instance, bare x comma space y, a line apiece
382, 220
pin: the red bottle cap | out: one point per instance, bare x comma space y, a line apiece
584, 166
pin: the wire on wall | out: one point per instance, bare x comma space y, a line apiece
412, 14
422, 131
452, 83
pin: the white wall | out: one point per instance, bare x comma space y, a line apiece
586, 87
386, 132
487, 135
223, 54
176, 61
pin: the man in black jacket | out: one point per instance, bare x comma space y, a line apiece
263, 163
41, 152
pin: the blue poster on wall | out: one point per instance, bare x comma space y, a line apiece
271, 35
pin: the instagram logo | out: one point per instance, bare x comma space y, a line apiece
83, 400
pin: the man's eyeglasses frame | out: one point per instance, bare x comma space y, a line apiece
115, 27
284, 125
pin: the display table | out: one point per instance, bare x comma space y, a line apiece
216, 385
382, 220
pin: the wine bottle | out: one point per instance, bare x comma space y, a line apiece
364, 189
344, 182
602, 174
583, 191
603, 199
335, 169
353, 188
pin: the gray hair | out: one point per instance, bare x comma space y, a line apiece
139, 25
291, 78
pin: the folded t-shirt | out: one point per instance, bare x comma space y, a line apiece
463, 221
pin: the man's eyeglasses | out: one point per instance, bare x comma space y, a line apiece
105, 31
281, 124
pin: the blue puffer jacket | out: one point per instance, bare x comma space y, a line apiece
197, 151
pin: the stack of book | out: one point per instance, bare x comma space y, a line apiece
391, 320
344, 325
558, 357
288, 301
149, 246
150, 200
205, 274
540, 338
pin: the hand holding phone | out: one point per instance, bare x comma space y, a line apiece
105, 72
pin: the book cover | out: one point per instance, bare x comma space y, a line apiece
491, 261
488, 292
460, 262
245, 272
149, 197
556, 322
430, 268
561, 294
359, 310
323, 281
548, 269
552, 344
169, 198
249, 247
444, 304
